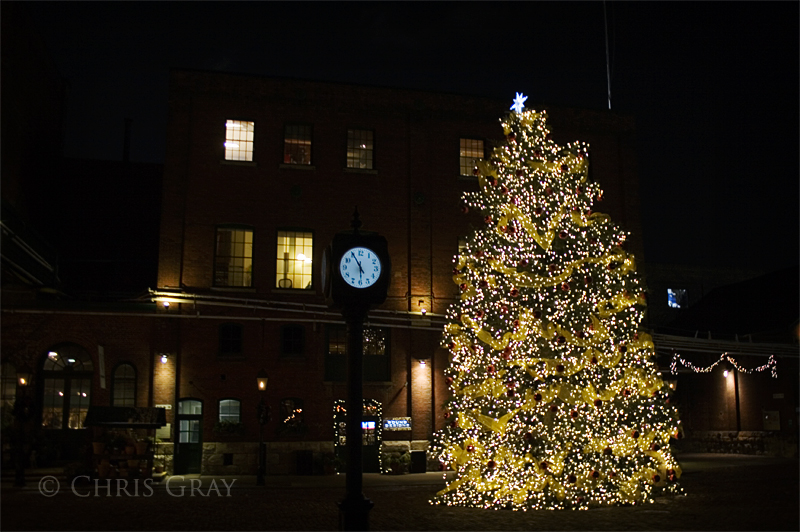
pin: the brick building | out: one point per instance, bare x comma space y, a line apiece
259, 175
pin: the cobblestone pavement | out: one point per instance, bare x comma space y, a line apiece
723, 492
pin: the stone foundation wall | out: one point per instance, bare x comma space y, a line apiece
743, 442
282, 457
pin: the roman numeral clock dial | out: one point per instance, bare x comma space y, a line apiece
360, 267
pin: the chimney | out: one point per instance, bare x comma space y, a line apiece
126, 146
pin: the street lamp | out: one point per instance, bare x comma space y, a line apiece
263, 419
21, 415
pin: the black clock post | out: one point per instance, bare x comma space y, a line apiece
356, 272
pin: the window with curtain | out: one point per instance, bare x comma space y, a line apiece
233, 257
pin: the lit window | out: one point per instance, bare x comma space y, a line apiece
67, 387
124, 384
376, 355
297, 145
230, 339
291, 413
293, 340
233, 263
295, 252
230, 410
677, 298
471, 150
239, 140
359, 148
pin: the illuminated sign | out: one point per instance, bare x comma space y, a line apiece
397, 423
369, 425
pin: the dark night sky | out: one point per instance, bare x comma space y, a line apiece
713, 87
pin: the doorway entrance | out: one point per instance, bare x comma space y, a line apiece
370, 434
189, 441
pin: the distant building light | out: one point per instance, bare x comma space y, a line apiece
677, 298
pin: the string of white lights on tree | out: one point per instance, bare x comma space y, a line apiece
771, 364
557, 401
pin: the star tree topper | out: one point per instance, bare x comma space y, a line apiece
519, 103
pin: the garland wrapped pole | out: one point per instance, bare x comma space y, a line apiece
557, 401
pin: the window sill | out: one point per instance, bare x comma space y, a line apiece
238, 163
307, 291
360, 171
240, 289
284, 166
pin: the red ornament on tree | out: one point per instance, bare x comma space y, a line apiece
562, 235
553, 408
572, 478
537, 397
490, 369
560, 368
595, 474
635, 434
512, 138
514, 292
507, 353
487, 220
608, 451
565, 287
538, 211
490, 464
519, 173
465, 209
470, 448
598, 403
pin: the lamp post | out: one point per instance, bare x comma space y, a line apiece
21, 416
263, 419
356, 270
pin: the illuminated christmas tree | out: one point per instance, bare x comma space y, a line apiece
557, 401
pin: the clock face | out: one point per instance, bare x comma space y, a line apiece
360, 267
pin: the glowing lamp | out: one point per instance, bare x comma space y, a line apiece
261, 380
